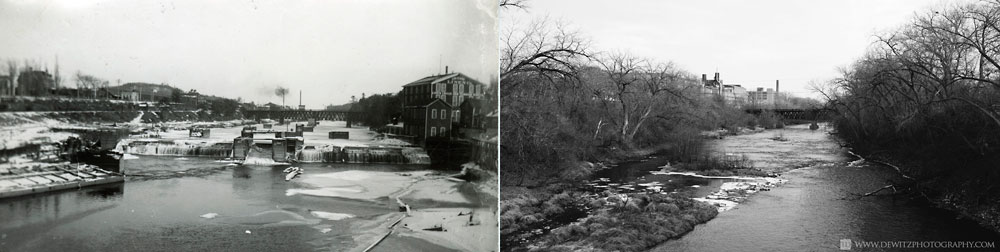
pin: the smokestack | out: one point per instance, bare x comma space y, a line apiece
300, 97
445, 69
716, 76
704, 78
777, 91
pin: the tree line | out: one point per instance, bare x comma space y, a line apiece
564, 102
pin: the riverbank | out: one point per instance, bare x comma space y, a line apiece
739, 166
952, 196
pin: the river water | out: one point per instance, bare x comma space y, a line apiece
204, 204
815, 208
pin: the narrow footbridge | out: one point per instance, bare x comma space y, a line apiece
302, 115
796, 114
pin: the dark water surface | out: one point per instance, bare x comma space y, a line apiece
159, 208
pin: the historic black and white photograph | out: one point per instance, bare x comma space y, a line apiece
249, 125
775, 125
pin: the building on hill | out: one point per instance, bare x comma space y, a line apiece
430, 118
130, 95
147, 91
734, 95
35, 83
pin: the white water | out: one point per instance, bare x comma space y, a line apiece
310, 156
138, 119
179, 149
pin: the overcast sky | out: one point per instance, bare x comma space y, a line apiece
329, 49
752, 43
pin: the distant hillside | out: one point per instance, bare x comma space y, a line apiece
147, 89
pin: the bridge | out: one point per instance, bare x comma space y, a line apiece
303, 115
796, 114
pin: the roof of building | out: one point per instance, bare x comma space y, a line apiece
439, 78
427, 102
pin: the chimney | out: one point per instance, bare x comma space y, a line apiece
704, 78
776, 86
716, 76
445, 69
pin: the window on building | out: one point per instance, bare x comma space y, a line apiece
444, 114
457, 115
433, 131
434, 114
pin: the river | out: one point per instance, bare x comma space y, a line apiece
171, 203
816, 207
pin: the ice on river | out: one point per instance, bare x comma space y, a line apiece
354, 184
331, 216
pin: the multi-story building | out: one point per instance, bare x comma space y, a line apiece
453, 88
35, 83
732, 94
763, 98
431, 105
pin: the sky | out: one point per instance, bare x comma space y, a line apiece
751, 43
330, 50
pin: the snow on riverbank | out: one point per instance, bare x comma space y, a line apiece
731, 193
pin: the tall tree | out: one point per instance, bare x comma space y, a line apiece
282, 92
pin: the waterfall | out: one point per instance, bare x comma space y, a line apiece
179, 149
355, 155
309, 156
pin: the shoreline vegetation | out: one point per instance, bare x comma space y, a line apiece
563, 217
923, 100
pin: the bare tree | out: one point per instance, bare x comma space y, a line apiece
282, 92
641, 90
12, 71
545, 48
84, 81
520, 4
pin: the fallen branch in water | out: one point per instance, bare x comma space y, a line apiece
893, 187
898, 170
